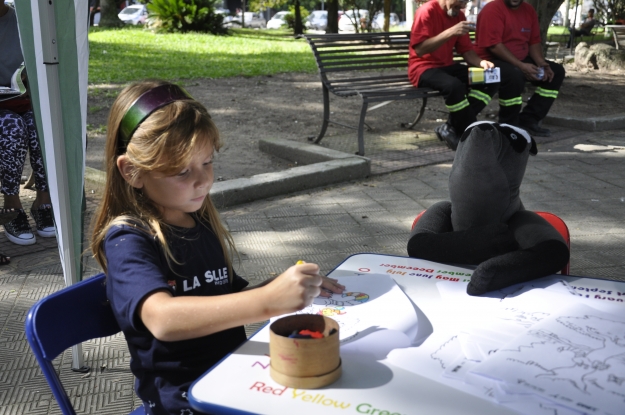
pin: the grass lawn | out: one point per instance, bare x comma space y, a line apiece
560, 33
131, 53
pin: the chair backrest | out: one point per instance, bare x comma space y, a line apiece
553, 220
63, 319
561, 227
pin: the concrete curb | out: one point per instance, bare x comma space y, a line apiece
323, 167
607, 122
328, 167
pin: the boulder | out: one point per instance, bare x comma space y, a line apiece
599, 56
584, 57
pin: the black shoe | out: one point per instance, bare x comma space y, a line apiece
7, 215
533, 128
447, 134
18, 230
44, 219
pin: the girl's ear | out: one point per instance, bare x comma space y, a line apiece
127, 170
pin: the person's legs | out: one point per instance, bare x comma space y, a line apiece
13, 147
481, 95
510, 90
575, 33
449, 81
41, 210
541, 101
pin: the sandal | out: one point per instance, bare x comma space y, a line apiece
7, 215
4, 260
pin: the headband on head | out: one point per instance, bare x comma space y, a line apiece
145, 105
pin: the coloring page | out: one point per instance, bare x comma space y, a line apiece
370, 303
575, 357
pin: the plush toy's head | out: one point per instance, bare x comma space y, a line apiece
487, 173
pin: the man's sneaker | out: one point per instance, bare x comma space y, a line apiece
447, 134
533, 128
44, 219
18, 230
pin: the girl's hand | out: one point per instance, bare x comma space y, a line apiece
330, 286
294, 289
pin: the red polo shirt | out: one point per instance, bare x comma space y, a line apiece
430, 20
517, 29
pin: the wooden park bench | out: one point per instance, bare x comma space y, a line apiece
596, 35
353, 65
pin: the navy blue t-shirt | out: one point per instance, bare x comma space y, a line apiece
137, 266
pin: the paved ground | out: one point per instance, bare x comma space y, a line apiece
586, 189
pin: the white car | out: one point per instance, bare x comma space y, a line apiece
134, 14
317, 20
252, 20
353, 18
227, 21
378, 21
277, 21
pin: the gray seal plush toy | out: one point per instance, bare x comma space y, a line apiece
485, 223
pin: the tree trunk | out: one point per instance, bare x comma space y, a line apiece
298, 28
333, 16
387, 14
545, 10
108, 14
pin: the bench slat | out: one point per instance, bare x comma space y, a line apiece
363, 59
368, 67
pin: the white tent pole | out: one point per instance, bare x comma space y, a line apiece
52, 106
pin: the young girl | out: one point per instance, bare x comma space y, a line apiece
165, 252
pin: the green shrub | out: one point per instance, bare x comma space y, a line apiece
185, 16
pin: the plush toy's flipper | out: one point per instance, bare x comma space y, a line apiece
543, 259
542, 252
530, 229
433, 239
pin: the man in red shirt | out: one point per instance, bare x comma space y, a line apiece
439, 27
508, 33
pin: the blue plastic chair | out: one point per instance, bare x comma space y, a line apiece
65, 318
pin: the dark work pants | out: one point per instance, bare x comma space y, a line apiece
576, 33
511, 87
452, 82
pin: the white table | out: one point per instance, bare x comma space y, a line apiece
241, 384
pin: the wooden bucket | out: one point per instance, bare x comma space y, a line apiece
304, 363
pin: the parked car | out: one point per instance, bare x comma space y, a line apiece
557, 19
252, 20
378, 20
317, 20
227, 21
277, 21
353, 18
134, 14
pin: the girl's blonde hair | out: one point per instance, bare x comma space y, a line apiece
164, 142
